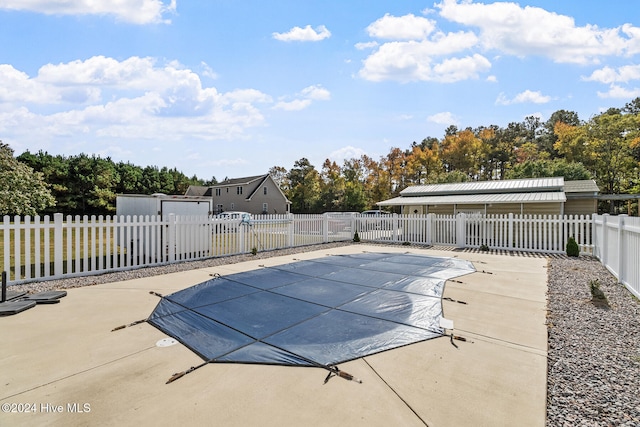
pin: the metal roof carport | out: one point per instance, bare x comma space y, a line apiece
477, 199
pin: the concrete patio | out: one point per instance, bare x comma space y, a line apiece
61, 364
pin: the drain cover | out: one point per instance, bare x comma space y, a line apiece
166, 342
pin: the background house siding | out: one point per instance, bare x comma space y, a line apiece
581, 206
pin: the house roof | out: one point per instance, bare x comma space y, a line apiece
470, 199
533, 190
198, 190
487, 187
583, 186
240, 181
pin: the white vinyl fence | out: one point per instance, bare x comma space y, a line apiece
617, 246
529, 233
44, 248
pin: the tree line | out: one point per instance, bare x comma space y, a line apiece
82, 184
605, 147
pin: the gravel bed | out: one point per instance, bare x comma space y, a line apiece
594, 348
593, 376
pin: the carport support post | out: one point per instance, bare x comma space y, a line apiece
57, 244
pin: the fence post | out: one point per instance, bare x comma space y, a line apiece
291, 230
396, 228
461, 230
605, 241
510, 236
171, 237
325, 228
594, 240
242, 248
57, 244
6, 244
429, 229
621, 256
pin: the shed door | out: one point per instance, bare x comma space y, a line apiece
185, 207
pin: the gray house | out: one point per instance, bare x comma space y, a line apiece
254, 194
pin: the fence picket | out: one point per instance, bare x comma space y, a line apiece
83, 245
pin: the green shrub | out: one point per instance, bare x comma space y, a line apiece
572, 248
598, 297
254, 250
356, 238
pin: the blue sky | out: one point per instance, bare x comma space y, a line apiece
230, 88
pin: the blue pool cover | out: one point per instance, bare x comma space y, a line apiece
318, 312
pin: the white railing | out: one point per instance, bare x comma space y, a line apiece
529, 233
617, 246
42, 248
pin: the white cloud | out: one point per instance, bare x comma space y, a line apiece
455, 69
610, 75
415, 61
317, 93
417, 51
306, 34
616, 91
207, 71
528, 30
295, 105
134, 98
346, 153
304, 98
132, 11
366, 45
407, 27
528, 96
444, 118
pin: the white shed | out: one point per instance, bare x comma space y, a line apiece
160, 204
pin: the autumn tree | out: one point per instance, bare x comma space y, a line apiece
464, 152
423, 163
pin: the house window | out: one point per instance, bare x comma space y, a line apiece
218, 191
265, 207
219, 208
227, 189
264, 190
233, 206
238, 190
